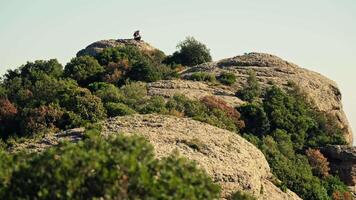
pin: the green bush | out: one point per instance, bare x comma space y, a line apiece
155, 104
135, 94
227, 78
203, 76
255, 118
106, 92
190, 52
84, 70
129, 62
251, 90
114, 168
118, 109
241, 196
82, 102
199, 111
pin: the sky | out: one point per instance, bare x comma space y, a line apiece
319, 35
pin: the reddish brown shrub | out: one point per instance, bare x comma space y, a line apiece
341, 196
115, 71
40, 118
318, 162
215, 103
7, 109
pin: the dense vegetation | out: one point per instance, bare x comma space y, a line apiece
286, 129
42, 96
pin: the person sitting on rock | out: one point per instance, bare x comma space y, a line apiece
137, 36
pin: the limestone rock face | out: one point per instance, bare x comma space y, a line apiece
193, 90
97, 47
323, 92
229, 159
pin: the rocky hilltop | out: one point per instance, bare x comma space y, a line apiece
97, 47
232, 162
322, 92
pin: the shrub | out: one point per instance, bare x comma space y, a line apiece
336, 188
203, 76
144, 71
82, 102
106, 92
113, 168
33, 70
318, 162
190, 52
155, 104
251, 90
118, 109
215, 103
198, 111
8, 121
84, 70
227, 78
37, 119
255, 118
134, 93
241, 196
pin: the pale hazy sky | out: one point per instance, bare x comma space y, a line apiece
319, 35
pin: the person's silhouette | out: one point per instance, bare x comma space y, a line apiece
137, 35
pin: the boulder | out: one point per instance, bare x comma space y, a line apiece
97, 47
229, 159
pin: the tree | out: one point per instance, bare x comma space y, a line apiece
251, 90
318, 162
255, 118
190, 52
84, 70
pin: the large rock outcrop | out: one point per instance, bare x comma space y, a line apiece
97, 47
321, 91
229, 159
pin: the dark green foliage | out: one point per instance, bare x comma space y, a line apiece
107, 92
135, 94
333, 184
227, 78
190, 52
118, 109
129, 62
288, 113
82, 102
35, 70
252, 89
283, 126
256, 119
114, 168
84, 70
155, 104
241, 196
203, 76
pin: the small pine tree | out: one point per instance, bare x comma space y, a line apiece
252, 89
